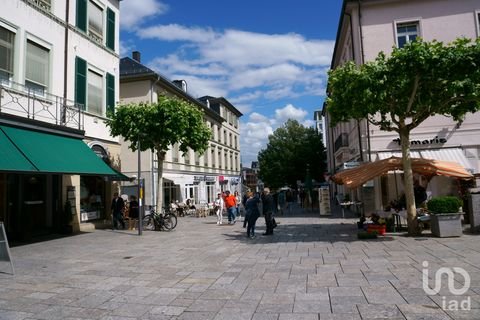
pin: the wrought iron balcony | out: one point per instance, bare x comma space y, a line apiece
19, 100
341, 141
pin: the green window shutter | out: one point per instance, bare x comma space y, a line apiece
110, 29
81, 82
82, 15
110, 93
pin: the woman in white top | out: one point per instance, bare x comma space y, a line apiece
219, 206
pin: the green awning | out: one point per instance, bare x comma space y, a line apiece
49, 153
11, 159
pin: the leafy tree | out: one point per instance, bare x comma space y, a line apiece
159, 126
290, 150
398, 93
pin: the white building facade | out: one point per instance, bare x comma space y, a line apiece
369, 27
58, 76
193, 176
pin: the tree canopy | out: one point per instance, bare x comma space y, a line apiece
290, 150
160, 125
399, 92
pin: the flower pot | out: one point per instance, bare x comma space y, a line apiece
379, 229
446, 225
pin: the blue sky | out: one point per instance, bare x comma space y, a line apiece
268, 58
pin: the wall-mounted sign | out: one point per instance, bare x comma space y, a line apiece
203, 178
435, 140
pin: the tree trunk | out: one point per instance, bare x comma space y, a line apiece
408, 182
160, 159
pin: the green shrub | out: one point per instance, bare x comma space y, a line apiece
444, 204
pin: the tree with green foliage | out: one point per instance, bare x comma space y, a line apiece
398, 93
158, 126
291, 149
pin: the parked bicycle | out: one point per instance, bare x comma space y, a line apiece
165, 220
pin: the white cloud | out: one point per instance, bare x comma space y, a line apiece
255, 131
254, 71
240, 48
290, 112
175, 32
135, 12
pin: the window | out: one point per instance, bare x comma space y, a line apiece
90, 19
7, 39
186, 156
212, 156
406, 32
478, 23
175, 152
95, 22
95, 89
36, 68
197, 158
219, 134
225, 137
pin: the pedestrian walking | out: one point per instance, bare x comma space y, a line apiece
238, 201
219, 205
252, 211
268, 209
231, 205
118, 205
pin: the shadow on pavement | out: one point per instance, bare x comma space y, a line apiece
304, 233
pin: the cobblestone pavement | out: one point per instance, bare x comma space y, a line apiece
311, 268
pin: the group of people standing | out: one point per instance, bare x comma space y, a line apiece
255, 204
121, 209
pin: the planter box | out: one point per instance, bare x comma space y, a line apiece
379, 229
446, 225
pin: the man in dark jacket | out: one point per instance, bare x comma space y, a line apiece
268, 209
117, 211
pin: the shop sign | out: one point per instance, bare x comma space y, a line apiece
435, 140
351, 164
203, 178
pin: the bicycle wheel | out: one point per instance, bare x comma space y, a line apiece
167, 223
148, 223
173, 217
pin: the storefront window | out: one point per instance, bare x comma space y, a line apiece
92, 198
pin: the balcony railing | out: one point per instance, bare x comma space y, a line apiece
18, 100
341, 141
43, 4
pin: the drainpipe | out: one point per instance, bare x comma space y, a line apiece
362, 56
65, 61
353, 50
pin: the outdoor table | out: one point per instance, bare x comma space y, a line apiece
345, 205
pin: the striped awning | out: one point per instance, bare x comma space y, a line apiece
355, 177
444, 154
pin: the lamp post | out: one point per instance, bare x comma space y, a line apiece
140, 191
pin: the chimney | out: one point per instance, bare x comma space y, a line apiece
136, 56
182, 84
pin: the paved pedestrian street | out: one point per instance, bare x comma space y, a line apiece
311, 268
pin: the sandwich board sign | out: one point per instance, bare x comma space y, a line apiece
4, 249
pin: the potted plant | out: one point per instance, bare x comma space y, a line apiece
445, 216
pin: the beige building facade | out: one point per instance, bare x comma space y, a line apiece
369, 27
193, 176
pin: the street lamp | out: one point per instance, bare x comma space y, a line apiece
140, 191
